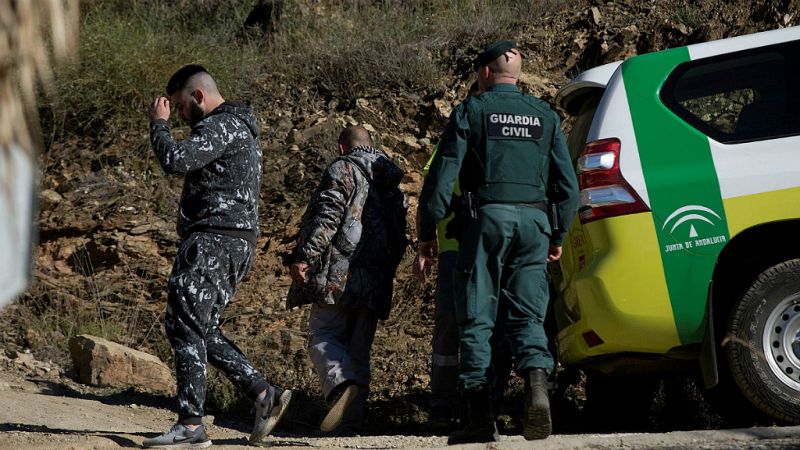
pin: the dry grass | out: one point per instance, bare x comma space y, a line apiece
339, 50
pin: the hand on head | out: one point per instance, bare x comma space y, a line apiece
159, 109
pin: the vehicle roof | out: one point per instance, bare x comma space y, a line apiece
599, 77
595, 78
737, 43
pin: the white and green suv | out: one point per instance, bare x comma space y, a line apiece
687, 244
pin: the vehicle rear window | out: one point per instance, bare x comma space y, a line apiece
739, 97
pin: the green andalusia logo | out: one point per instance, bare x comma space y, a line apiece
686, 218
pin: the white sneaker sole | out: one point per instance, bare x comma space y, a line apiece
265, 427
336, 413
205, 444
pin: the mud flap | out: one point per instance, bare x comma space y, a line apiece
708, 352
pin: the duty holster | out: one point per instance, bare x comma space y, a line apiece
465, 209
554, 194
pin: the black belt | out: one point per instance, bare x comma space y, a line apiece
541, 205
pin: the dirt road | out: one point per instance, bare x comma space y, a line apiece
34, 414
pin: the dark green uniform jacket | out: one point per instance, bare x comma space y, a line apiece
507, 147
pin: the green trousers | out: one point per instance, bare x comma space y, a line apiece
502, 259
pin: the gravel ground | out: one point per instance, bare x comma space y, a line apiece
34, 417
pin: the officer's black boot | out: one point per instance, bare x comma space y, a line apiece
478, 422
537, 423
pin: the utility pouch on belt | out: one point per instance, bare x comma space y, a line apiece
553, 193
465, 209
471, 205
553, 216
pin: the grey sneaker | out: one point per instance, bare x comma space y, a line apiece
341, 397
180, 437
269, 412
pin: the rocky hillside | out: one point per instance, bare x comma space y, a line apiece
107, 236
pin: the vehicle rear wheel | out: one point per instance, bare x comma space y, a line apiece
763, 342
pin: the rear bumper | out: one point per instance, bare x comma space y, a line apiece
618, 292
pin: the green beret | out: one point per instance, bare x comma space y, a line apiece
492, 52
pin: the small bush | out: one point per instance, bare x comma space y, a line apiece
224, 397
690, 16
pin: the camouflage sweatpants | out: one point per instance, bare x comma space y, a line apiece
203, 280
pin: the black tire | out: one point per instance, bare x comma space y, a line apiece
763, 342
659, 402
619, 403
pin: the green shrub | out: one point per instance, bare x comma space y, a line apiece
691, 16
224, 397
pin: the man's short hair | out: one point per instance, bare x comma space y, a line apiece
181, 77
355, 136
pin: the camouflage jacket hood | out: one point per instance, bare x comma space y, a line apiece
375, 166
338, 239
221, 165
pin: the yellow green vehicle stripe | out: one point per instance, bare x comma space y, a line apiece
763, 207
683, 189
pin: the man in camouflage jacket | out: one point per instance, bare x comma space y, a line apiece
344, 266
218, 224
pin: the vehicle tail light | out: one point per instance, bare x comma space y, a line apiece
604, 192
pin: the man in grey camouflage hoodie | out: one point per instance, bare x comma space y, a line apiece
218, 224
351, 241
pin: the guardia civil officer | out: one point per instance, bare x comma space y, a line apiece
508, 152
